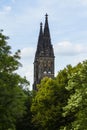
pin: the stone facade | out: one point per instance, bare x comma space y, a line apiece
44, 56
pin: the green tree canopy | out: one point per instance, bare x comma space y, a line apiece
12, 97
47, 105
51, 99
77, 102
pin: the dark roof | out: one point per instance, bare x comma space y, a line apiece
44, 46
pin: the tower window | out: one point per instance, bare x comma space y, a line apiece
49, 72
45, 72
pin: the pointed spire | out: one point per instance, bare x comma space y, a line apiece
40, 40
40, 34
46, 17
41, 31
46, 27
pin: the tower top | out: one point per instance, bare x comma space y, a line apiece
41, 30
44, 46
41, 24
46, 27
46, 15
40, 40
44, 56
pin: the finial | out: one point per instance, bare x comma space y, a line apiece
41, 24
46, 15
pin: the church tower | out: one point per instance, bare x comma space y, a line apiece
44, 56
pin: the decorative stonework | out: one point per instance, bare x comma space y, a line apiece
44, 56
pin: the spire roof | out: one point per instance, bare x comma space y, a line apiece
44, 46
40, 40
46, 27
40, 33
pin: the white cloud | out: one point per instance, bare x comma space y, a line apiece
67, 48
83, 2
27, 70
7, 8
27, 52
27, 57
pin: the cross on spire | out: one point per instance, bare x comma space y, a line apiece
46, 15
46, 27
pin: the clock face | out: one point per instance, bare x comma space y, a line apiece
49, 63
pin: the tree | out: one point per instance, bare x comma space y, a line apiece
47, 105
24, 123
77, 103
51, 98
42, 103
12, 97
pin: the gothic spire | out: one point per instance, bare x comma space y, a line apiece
46, 27
40, 34
44, 56
40, 40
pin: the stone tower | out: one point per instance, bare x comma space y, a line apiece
44, 56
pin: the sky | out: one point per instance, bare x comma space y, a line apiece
20, 20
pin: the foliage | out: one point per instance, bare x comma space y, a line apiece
59, 103
50, 103
24, 123
12, 97
77, 103
47, 105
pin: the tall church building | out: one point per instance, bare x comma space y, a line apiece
44, 56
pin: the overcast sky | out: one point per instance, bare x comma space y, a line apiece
20, 20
